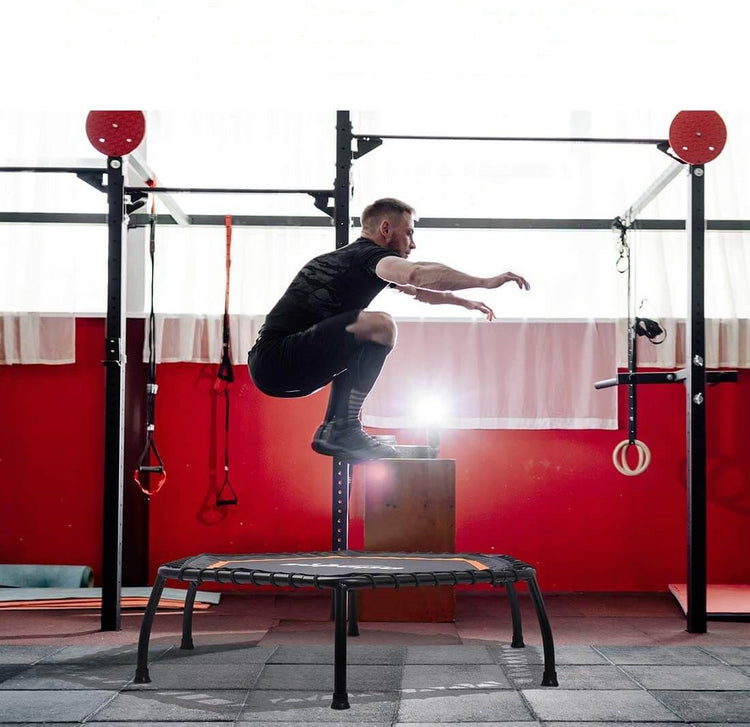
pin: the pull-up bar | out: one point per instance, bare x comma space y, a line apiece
225, 190
574, 139
58, 170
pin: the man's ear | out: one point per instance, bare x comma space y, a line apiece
384, 227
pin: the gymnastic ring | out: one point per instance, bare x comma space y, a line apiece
619, 457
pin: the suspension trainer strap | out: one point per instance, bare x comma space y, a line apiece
626, 264
144, 466
225, 375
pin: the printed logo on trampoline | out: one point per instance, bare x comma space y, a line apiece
351, 566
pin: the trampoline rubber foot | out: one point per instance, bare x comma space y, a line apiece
549, 679
517, 644
340, 701
142, 677
187, 644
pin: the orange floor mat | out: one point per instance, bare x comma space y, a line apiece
131, 597
85, 603
721, 599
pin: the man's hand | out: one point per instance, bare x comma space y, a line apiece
478, 305
498, 280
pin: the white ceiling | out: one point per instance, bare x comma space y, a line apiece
442, 54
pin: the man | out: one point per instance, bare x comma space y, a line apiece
319, 332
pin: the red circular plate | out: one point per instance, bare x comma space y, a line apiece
697, 137
115, 133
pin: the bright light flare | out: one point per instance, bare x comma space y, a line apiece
431, 409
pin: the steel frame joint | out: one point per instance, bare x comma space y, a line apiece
365, 144
322, 202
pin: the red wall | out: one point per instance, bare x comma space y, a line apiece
552, 498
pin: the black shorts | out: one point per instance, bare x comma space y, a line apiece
301, 363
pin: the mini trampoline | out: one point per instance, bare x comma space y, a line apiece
342, 572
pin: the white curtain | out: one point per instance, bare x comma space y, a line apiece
31, 338
48, 269
499, 375
199, 338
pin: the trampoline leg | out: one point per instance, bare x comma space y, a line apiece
187, 617
549, 677
141, 670
353, 622
515, 614
340, 697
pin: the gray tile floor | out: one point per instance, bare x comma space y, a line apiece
416, 674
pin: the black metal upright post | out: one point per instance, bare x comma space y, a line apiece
341, 477
342, 185
695, 346
342, 470
114, 424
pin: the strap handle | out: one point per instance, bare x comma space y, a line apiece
226, 499
144, 467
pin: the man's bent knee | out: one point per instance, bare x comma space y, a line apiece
374, 326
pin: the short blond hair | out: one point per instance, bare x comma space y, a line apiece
385, 207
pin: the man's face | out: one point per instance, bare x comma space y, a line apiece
400, 235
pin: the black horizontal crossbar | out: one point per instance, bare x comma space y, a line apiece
224, 190
667, 377
56, 170
564, 139
437, 223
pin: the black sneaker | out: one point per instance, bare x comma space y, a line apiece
321, 436
351, 444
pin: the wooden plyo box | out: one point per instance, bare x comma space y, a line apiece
409, 506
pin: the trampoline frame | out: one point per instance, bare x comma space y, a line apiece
341, 586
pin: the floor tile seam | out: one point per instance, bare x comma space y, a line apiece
705, 691
147, 688
620, 668
259, 671
598, 650
248, 692
454, 689
528, 705
93, 714
36, 661
161, 655
715, 656
702, 668
47, 656
399, 697
654, 694
67, 689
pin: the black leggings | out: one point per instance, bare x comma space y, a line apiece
302, 363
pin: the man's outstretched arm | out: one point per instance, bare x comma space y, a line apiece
435, 297
436, 276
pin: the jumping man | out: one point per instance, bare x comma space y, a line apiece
319, 332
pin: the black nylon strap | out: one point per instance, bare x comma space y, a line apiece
143, 467
225, 375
